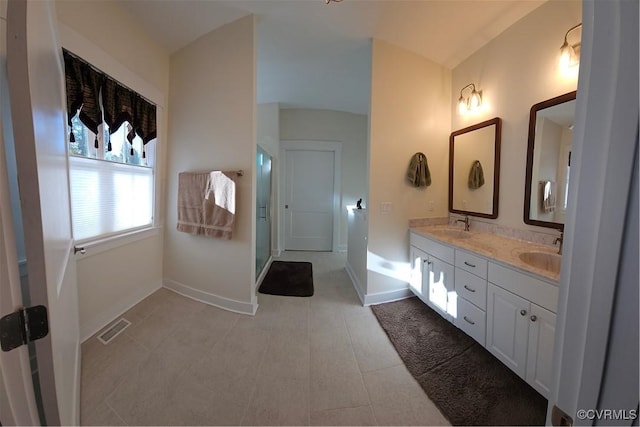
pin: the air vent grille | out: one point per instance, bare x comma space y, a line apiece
114, 330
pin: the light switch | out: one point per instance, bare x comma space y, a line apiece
385, 208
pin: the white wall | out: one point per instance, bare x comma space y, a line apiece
410, 99
517, 69
268, 137
114, 277
212, 127
337, 126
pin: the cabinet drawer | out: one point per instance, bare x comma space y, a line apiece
535, 290
471, 319
471, 263
443, 252
471, 287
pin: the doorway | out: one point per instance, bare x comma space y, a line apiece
311, 195
263, 210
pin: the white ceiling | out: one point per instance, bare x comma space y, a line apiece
317, 55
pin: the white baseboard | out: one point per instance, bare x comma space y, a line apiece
262, 274
356, 283
389, 296
211, 299
88, 329
377, 298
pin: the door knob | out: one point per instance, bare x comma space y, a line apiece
534, 318
523, 312
80, 249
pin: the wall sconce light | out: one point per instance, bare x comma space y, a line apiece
570, 53
470, 103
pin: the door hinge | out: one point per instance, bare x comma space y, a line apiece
23, 326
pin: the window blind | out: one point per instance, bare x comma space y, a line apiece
108, 197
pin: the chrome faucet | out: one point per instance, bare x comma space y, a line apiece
465, 221
559, 240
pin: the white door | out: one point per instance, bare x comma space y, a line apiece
507, 328
17, 400
309, 199
36, 88
542, 332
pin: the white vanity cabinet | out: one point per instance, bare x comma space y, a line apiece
471, 294
521, 327
435, 274
511, 313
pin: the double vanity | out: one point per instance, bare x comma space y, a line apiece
502, 292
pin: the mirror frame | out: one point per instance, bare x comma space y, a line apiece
530, 148
496, 167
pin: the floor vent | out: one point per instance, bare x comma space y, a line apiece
107, 336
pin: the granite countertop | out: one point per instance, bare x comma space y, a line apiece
494, 246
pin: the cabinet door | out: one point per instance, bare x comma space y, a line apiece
542, 330
439, 283
508, 328
418, 261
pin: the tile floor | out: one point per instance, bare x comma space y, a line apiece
322, 360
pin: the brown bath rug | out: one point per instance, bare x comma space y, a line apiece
466, 382
288, 278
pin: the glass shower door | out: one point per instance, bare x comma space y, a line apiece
263, 211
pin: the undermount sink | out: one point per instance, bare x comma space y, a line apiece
542, 260
454, 233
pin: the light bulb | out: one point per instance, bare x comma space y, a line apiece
462, 105
475, 100
565, 55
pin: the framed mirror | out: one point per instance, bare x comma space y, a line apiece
474, 169
549, 161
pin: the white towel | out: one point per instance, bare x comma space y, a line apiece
548, 196
223, 190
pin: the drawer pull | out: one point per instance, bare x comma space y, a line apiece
523, 312
534, 318
469, 264
471, 322
469, 289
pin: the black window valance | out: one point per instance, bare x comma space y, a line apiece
101, 99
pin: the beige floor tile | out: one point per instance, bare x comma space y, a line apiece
371, 344
101, 415
144, 308
279, 401
194, 403
152, 330
397, 399
336, 385
360, 416
192, 339
230, 369
336, 381
297, 361
104, 366
325, 317
147, 395
287, 355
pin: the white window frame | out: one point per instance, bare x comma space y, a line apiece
92, 53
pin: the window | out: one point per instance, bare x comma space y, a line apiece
111, 174
111, 191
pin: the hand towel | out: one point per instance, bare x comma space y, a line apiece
418, 173
206, 203
476, 176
